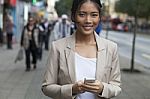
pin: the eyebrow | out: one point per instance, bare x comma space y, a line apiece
86, 12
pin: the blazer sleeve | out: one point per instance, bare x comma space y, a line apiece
113, 88
50, 86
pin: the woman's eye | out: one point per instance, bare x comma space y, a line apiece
81, 14
94, 15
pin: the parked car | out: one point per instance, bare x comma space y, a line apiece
115, 22
122, 27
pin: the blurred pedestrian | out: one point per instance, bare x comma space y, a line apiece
29, 41
62, 27
41, 37
45, 28
8, 28
73, 28
83, 55
48, 33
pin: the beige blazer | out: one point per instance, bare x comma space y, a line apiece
60, 74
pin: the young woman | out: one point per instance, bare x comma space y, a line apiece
84, 65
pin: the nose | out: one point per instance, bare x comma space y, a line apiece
88, 19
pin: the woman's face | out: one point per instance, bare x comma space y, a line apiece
31, 21
87, 18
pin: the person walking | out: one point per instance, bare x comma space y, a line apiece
48, 33
8, 28
48, 28
29, 41
41, 37
62, 27
83, 65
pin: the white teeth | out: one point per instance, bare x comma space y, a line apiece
87, 28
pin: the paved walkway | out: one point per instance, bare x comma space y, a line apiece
15, 83
135, 85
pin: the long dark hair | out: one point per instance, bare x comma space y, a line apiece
77, 4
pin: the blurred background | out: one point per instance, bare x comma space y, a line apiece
126, 22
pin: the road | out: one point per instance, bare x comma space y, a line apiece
124, 41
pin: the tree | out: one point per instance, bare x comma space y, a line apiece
136, 8
63, 7
140, 8
144, 9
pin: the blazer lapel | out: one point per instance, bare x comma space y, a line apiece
101, 58
70, 57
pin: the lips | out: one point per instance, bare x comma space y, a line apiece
87, 27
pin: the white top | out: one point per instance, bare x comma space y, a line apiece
85, 68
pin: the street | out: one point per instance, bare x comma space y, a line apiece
124, 41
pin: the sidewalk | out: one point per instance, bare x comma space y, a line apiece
15, 83
134, 85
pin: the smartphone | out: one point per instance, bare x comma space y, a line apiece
89, 80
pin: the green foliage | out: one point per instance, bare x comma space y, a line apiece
139, 8
63, 7
144, 9
34, 1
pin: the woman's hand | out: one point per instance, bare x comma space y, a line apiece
96, 87
77, 87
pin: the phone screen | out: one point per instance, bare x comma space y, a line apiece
89, 80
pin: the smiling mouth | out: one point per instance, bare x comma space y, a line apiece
88, 27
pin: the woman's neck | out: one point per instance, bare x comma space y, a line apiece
30, 27
85, 39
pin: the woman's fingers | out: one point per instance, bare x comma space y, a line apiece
77, 87
80, 87
95, 87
